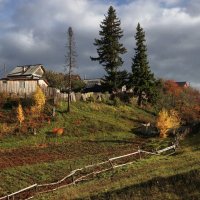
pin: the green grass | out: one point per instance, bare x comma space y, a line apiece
93, 133
168, 177
96, 121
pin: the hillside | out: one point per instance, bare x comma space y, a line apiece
93, 133
163, 177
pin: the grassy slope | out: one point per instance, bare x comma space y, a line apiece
94, 132
162, 177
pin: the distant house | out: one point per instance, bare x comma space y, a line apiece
93, 85
91, 82
23, 80
183, 84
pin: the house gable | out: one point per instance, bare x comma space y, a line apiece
27, 72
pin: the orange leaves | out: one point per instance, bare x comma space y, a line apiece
167, 120
172, 87
58, 131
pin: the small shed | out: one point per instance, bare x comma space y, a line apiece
23, 80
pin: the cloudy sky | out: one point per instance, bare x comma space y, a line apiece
35, 31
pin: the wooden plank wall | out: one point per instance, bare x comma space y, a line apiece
18, 87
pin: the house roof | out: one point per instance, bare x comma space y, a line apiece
26, 70
182, 84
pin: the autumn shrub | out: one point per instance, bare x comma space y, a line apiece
167, 120
189, 105
20, 114
184, 100
39, 101
171, 87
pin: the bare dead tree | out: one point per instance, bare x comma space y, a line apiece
70, 61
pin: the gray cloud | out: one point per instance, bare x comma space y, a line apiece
35, 32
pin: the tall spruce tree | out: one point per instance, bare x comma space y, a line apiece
109, 48
143, 79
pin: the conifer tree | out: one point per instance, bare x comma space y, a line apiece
142, 79
109, 49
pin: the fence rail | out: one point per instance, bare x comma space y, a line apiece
83, 174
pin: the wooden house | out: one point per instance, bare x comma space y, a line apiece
23, 80
183, 84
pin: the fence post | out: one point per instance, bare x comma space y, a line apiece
54, 111
139, 152
111, 164
72, 174
36, 189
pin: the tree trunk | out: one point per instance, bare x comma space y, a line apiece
139, 101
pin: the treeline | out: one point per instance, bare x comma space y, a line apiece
61, 81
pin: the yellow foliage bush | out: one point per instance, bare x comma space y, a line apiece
20, 114
167, 120
39, 99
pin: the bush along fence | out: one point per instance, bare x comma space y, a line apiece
88, 172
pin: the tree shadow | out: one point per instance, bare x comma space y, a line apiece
162, 184
148, 111
145, 132
50, 134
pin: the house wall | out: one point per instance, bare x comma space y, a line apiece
42, 83
20, 87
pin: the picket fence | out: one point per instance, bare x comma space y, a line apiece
86, 173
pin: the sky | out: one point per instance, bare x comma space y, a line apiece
35, 32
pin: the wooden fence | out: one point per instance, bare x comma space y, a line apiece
85, 173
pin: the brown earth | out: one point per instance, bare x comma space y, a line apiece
52, 152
